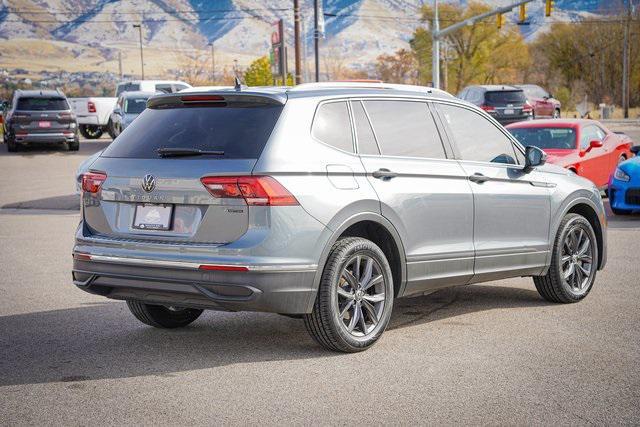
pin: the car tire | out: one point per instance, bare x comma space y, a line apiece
12, 147
111, 130
73, 146
163, 317
91, 131
356, 279
574, 262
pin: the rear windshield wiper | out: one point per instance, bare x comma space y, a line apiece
184, 152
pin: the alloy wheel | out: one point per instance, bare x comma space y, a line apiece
577, 259
361, 295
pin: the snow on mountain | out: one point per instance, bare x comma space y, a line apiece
356, 31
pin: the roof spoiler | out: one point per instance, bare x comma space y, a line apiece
215, 98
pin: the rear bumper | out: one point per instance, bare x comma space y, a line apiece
52, 137
280, 289
512, 119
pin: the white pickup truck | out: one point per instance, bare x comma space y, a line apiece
93, 112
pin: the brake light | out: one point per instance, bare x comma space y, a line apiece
92, 181
65, 115
256, 190
202, 98
488, 108
91, 106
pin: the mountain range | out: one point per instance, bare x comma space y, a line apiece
75, 35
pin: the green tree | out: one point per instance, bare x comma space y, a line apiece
480, 53
259, 73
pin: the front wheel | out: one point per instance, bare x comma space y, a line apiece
573, 264
160, 316
111, 129
355, 298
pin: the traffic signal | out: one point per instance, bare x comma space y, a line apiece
499, 20
547, 7
523, 13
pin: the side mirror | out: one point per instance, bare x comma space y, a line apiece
533, 156
117, 111
595, 143
635, 149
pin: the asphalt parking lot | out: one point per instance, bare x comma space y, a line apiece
494, 353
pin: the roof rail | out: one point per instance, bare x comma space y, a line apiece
366, 85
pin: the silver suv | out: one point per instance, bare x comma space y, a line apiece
327, 202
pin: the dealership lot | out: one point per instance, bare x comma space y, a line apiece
490, 353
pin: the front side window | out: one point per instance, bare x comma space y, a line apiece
405, 128
476, 137
331, 125
590, 133
555, 138
164, 88
127, 87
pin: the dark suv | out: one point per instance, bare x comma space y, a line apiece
506, 104
40, 116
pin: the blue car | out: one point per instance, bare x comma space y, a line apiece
624, 186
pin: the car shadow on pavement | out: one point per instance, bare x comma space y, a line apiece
70, 202
103, 340
86, 149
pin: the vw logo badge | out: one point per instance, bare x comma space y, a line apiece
148, 183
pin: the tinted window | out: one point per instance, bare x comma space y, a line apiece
135, 105
505, 97
405, 128
127, 87
553, 138
165, 88
476, 137
178, 87
42, 104
366, 139
241, 132
331, 125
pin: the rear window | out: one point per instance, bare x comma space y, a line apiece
127, 87
240, 131
546, 138
42, 104
135, 105
505, 97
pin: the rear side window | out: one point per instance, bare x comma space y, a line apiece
240, 131
165, 88
476, 137
405, 128
366, 139
331, 125
505, 97
42, 104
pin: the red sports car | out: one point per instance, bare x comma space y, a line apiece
585, 146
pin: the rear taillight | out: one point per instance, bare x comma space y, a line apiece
488, 108
255, 190
91, 106
66, 115
92, 181
20, 116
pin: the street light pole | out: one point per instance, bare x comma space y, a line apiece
316, 37
213, 64
296, 40
139, 27
435, 46
625, 63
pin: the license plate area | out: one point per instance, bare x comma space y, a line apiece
509, 111
44, 124
153, 217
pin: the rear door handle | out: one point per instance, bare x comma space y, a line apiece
478, 178
384, 174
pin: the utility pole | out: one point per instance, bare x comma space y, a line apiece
120, 63
625, 63
316, 37
213, 64
139, 27
296, 39
437, 35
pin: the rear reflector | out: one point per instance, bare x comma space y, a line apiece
256, 190
81, 257
488, 108
223, 267
92, 181
91, 107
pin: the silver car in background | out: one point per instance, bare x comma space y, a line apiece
326, 201
128, 107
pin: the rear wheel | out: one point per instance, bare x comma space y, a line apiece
111, 130
12, 147
355, 298
91, 131
573, 264
160, 316
73, 146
